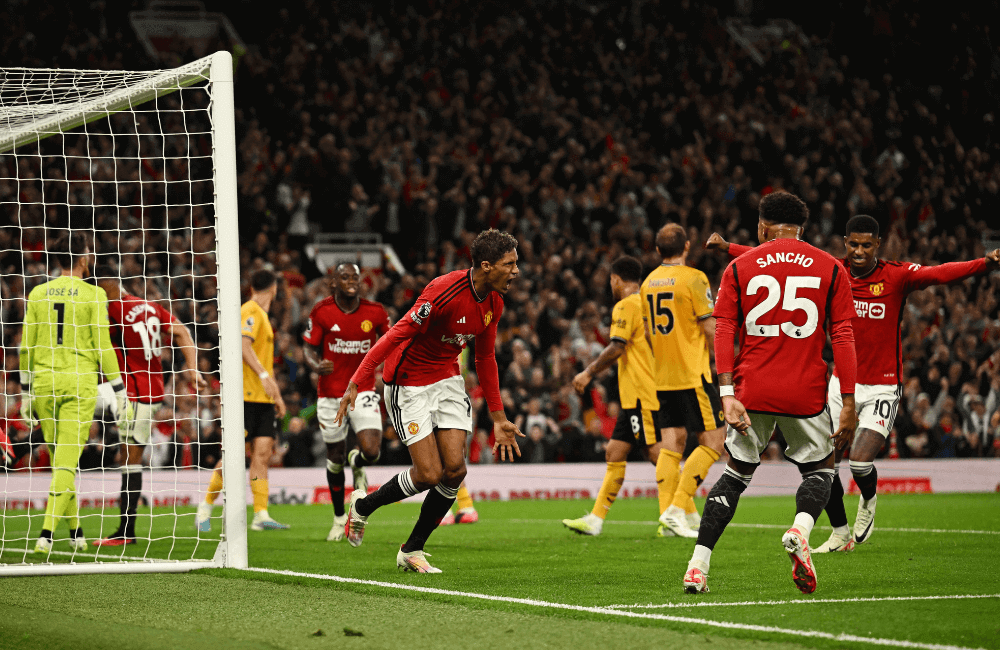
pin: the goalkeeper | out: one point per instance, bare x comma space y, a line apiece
65, 341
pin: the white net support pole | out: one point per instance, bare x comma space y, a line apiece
133, 153
234, 545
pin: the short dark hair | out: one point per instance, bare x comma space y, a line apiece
627, 268
262, 280
490, 245
784, 207
670, 240
862, 223
336, 269
65, 246
106, 272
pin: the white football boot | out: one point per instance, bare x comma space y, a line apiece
589, 524
675, 519
864, 523
203, 518
415, 561
837, 543
337, 532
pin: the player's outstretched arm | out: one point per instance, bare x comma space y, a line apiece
346, 403
607, 357
505, 435
921, 277
717, 243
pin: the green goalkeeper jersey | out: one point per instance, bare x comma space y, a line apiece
66, 338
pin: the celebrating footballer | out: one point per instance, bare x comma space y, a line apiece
425, 393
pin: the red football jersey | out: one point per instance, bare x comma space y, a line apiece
345, 338
879, 298
423, 346
780, 295
139, 329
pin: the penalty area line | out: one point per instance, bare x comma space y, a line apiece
802, 602
816, 634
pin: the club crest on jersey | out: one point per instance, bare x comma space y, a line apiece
877, 288
421, 314
413, 427
366, 326
487, 318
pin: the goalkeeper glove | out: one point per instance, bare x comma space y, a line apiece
26, 407
126, 411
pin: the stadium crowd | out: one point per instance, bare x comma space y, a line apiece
581, 133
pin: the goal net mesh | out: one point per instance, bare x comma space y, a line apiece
128, 159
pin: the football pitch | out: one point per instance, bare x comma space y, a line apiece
928, 578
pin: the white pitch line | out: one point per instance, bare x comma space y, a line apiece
802, 602
773, 526
851, 638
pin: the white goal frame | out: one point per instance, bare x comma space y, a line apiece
17, 129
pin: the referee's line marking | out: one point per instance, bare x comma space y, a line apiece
802, 602
851, 638
773, 526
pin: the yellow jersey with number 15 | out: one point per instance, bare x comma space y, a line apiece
675, 299
257, 328
635, 366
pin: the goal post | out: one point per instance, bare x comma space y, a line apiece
144, 163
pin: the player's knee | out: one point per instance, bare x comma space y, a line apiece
335, 454
714, 439
426, 478
453, 476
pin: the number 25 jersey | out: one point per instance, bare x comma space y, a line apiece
781, 294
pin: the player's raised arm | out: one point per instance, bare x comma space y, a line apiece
505, 432
844, 355
921, 277
717, 243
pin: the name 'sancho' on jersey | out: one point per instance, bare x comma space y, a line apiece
788, 258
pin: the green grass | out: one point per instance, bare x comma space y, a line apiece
520, 550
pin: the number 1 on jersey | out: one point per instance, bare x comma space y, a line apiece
61, 314
660, 309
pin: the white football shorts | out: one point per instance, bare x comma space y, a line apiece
415, 411
808, 439
877, 405
141, 426
366, 415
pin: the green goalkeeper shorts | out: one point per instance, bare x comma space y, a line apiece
65, 422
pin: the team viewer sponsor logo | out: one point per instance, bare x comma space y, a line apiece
340, 346
875, 310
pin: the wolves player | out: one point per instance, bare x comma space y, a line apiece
425, 394
138, 331
342, 328
880, 289
262, 404
677, 309
637, 420
780, 297
64, 342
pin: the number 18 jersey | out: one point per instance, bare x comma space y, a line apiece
781, 294
139, 329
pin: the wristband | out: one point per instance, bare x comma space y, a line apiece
725, 391
263, 375
118, 385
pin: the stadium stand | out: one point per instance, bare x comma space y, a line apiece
428, 126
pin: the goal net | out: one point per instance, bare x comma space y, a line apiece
141, 167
